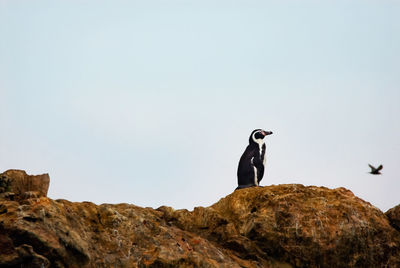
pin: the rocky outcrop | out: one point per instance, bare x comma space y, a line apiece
17, 184
275, 226
394, 217
298, 225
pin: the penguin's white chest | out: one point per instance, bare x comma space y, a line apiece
255, 172
264, 157
260, 155
261, 151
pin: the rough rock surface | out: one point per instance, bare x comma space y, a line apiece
394, 217
17, 184
275, 226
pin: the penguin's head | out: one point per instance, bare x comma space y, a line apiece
258, 135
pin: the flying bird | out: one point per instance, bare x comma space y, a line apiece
374, 170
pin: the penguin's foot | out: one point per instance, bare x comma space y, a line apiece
245, 186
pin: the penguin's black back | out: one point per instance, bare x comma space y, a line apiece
249, 162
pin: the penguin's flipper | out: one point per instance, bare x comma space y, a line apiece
259, 166
257, 162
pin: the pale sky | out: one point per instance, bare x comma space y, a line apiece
152, 102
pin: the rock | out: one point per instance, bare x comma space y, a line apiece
302, 226
275, 226
20, 256
22, 185
86, 235
394, 217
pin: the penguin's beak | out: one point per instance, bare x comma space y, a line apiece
267, 133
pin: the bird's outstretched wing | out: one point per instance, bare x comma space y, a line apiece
379, 168
371, 166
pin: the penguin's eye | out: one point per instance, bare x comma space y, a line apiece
258, 135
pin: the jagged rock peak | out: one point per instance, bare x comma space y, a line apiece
17, 184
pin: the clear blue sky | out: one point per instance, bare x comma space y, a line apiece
152, 102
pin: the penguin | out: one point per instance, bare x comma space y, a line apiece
374, 170
252, 163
